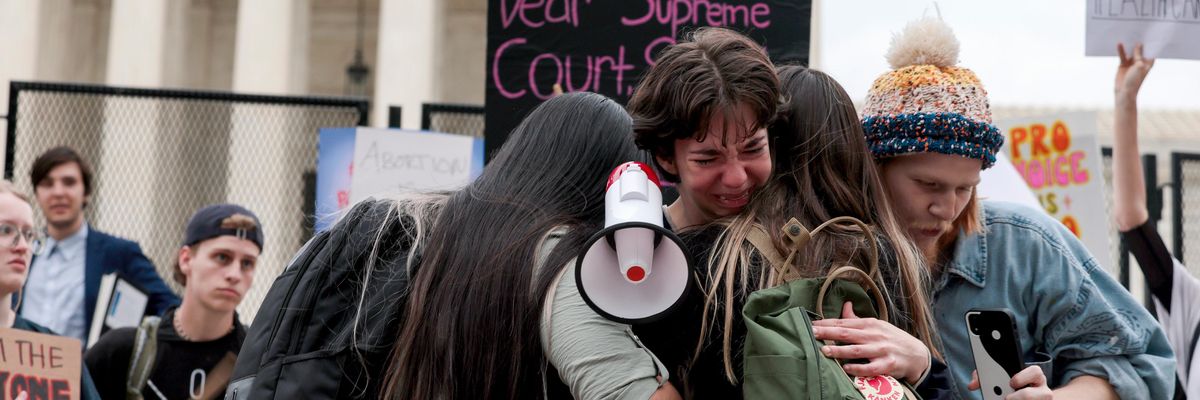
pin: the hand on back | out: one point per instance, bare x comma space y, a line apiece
888, 349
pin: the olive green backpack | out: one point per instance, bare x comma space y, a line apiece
781, 359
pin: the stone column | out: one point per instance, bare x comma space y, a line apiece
409, 45
265, 175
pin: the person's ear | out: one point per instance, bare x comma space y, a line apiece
185, 259
667, 164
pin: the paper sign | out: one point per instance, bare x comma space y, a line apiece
1168, 28
127, 307
396, 161
1002, 182
335, 156
45, 367
1059, 159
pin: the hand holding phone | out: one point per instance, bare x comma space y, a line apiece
996, 348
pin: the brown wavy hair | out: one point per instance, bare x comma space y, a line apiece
822, 170
714, 70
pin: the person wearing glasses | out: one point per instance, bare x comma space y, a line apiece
18, 242
64, 278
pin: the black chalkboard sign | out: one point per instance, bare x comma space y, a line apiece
604, 46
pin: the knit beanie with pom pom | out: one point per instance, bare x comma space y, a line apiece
927, 103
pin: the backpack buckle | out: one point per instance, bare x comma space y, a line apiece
796, 232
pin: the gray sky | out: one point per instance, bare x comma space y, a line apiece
1026, 52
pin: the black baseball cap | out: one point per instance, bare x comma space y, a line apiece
221, 220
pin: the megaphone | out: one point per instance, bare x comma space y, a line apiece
634, 270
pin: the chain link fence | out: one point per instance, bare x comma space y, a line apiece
1120, 267
1185, 179
159, 155
453, 118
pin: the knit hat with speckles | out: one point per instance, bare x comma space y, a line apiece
927, 103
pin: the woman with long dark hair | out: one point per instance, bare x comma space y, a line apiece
822, 171
471, 329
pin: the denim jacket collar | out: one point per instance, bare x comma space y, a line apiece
970, 260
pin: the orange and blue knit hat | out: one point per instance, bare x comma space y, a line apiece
927, 103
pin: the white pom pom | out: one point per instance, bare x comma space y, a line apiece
927, 41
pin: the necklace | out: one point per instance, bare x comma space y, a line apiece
179, 329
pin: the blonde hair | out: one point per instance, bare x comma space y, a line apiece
7, 186
970, 220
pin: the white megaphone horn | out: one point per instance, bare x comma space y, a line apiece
633, 270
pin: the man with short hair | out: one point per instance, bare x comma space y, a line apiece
929, 126
195, 346
64, 278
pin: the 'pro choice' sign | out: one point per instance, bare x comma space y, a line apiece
1059, 159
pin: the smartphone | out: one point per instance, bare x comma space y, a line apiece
996, 348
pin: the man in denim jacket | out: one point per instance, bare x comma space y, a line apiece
929, 125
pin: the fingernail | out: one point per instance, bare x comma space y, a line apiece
825, 349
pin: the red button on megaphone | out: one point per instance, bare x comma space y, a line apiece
633, 270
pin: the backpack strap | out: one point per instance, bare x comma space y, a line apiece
762, 242
218, 377
873, 255
141, 362
867, 282
799, 236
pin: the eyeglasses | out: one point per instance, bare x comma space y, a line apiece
11, 232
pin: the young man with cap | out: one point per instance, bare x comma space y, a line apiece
929, 125
64, 278
195, 346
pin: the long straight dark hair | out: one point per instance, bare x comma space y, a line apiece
472, 324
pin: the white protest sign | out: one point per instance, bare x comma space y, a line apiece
393, 161
1168, 28
1002, 182
1059, 159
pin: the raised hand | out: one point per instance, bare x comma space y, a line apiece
1131, 72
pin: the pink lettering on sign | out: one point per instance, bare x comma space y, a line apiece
653, 47
527, 11
496, 69
698, 12
533, 77
595, 66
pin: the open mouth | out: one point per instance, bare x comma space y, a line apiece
733, 200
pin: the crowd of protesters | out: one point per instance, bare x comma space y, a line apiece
487, 304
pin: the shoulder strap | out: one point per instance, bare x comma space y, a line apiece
799, 236
762, 242
141, 362
218, 377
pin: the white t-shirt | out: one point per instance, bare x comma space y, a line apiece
1180, 324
